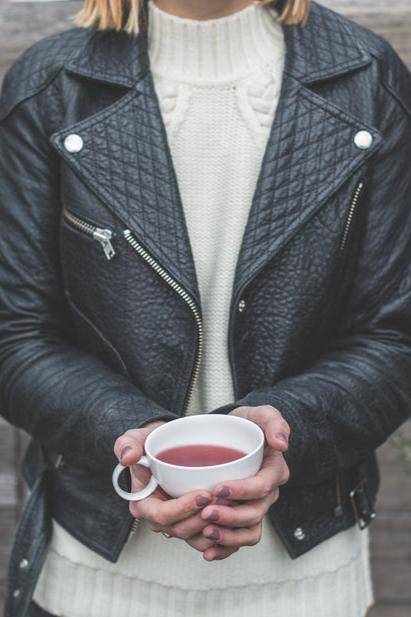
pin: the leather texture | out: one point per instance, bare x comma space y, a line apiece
90, 347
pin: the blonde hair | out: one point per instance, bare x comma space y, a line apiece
125, 14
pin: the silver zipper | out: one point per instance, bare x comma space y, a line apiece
103, 236
186, 297
193, 306
350, 215
133, 528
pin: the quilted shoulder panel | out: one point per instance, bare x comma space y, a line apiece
395, 76
333, 33
38, 65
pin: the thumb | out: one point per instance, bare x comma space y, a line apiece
277, 434
129, 447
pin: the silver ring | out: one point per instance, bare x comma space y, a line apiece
166, 535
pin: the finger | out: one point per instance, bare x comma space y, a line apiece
245, 515
129, 447
139, 476
276, 428
171, 511
135, 506
218, 552
244, 536
189, 527
273, 473
200, 543
220, 501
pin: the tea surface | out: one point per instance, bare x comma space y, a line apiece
199, 455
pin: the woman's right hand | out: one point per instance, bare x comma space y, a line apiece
180, 517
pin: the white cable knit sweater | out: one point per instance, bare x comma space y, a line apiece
218, 84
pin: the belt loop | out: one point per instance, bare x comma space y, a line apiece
362, 505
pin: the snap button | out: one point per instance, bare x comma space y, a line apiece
363, 140
16, 593
23, 564
241, 306
73, 143
299, 533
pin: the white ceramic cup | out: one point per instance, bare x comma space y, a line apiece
206, 429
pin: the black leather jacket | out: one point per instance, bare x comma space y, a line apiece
100, 314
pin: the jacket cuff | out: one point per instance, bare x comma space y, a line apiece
225, 409
160, 417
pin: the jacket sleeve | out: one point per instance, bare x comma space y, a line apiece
66, 399
359, 391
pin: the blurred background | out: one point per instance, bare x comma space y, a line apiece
23, 23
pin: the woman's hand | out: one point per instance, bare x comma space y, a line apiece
239, 505
240, 524
178, 517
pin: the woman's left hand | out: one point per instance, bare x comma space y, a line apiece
240, 523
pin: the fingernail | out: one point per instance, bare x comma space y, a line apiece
213, 535
124, 451
282, 437
214, 516
220, 501
202, 500
224, 492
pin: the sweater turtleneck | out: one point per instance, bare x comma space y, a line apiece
211, 51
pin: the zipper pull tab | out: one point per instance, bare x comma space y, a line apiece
338, 510
104, 236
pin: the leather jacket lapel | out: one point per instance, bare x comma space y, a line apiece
126, 161
322, 49
309, 154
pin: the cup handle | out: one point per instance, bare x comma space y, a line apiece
145, 492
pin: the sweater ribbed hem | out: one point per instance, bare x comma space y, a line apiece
110, 594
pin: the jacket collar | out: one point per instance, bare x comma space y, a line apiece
323, 49
111, 57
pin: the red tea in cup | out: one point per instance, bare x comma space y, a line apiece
197, 452
200, 455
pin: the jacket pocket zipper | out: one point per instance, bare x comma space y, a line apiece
350, 216
186, 297
102, 236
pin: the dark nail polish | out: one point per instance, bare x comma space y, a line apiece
202, 500
125, 451
224, 492
282, 437
214, 516
213, 535
220, 501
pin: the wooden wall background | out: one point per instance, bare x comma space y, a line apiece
22, 23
